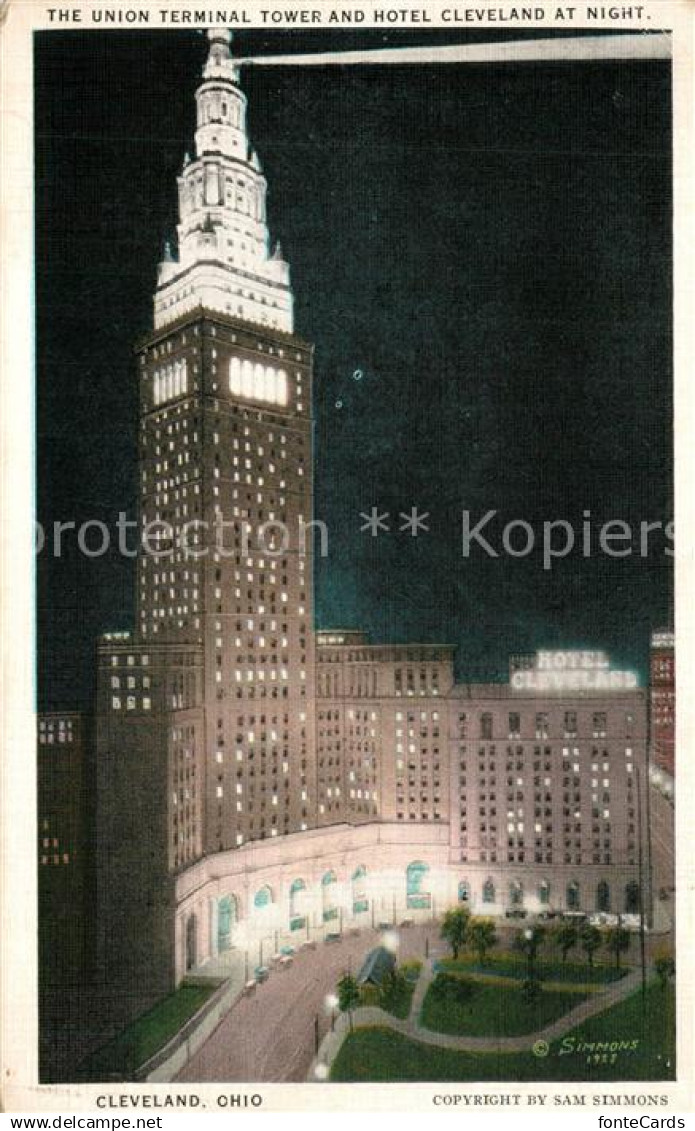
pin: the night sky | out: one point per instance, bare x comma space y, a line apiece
490, 246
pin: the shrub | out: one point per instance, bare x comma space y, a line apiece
665, 966
530, 990
452, 989
370, 995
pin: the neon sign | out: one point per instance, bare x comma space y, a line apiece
573, 671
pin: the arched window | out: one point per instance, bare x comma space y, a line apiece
489, 895
417, 895
360, 903
263, 898
632, 899
544, 893
516, 893
226, 918
573, 896
330, 909
297, 916
603, 896
464, 891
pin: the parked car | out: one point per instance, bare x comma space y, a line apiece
515, 913
630, 922
603, 919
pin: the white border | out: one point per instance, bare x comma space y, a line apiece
18, 1020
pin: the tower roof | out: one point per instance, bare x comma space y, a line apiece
224, 262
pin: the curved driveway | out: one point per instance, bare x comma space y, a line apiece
271, 1035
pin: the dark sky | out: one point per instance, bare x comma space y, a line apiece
490, 246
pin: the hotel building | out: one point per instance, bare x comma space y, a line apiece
662, 679
256, 780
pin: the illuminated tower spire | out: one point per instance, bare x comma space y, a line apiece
224, 264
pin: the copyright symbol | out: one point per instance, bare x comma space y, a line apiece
541, 1048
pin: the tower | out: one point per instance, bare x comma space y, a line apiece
213, 712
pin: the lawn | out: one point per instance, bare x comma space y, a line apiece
149, 1033
374, 1055
513, 966
478, 1009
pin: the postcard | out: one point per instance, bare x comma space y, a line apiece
345, 414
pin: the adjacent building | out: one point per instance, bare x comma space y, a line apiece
62, 845
662, 691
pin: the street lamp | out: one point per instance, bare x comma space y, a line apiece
528, 935
331, 1002
390, 941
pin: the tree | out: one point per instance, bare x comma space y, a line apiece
348, 995
530, 990
590, 940
455, 928
617, 942
482, 936
665, 966
529, 942
565, 938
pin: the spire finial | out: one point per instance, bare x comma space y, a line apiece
220, 40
